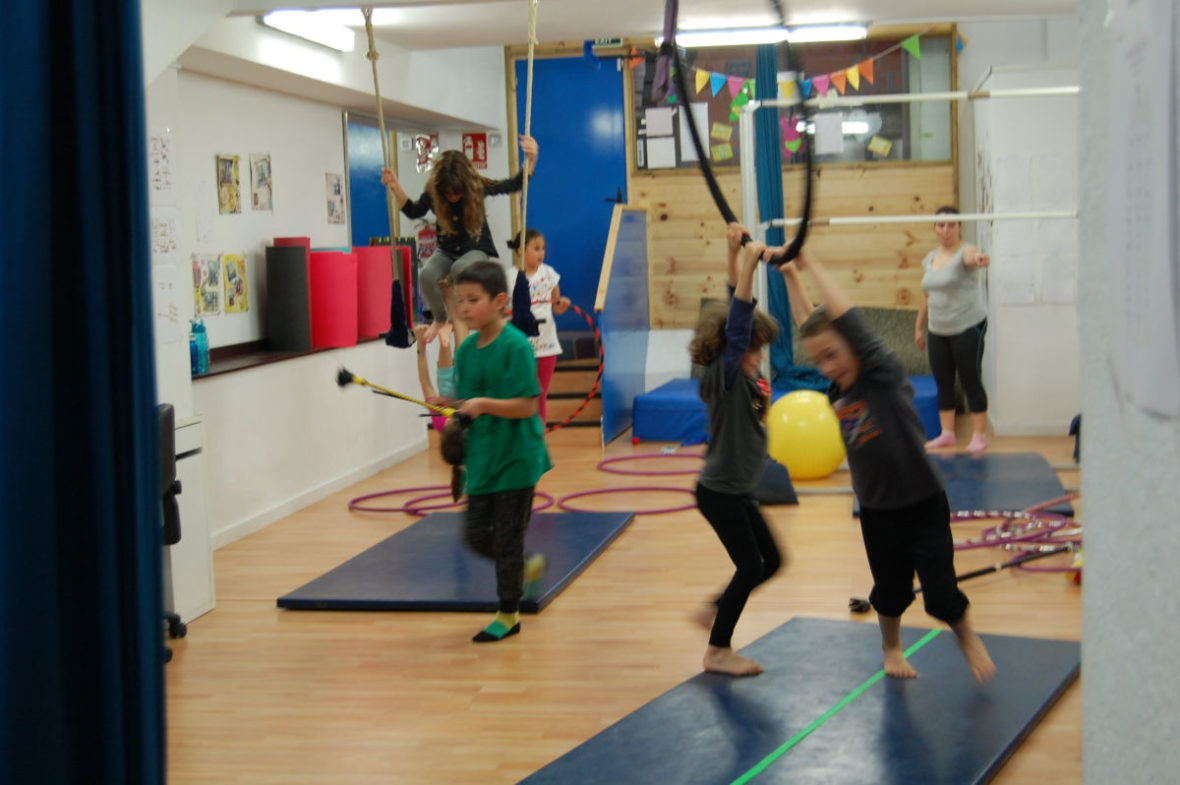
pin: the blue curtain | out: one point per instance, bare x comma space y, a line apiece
784, 374
81, 686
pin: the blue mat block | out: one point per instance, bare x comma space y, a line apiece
939, 729
674, 412
926, 404
427, 567
997, 481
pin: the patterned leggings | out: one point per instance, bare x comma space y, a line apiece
496, 523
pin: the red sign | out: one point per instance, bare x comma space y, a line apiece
475, 147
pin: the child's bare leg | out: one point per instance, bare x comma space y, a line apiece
982, 667
727, 661
445, 356
896, 664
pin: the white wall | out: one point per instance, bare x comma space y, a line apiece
171, 26
305, 141
667, 357
1027, 150
1131, 459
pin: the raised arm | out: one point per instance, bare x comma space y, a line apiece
389, 179
428, 390
734, 233
451, 301
801, 306
834, 297
973, 257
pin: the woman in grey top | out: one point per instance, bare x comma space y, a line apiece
952, 303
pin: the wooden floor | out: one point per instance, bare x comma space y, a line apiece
261, 695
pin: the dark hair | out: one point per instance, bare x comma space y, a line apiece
453, 445
817, 322
529, 235
709, 338
489, 276
947, 209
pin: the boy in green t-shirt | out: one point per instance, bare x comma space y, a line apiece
506, 455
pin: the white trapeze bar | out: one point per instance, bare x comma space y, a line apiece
908, 98
850, 220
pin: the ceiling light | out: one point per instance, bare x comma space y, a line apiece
816, 33
306, 25
695, 39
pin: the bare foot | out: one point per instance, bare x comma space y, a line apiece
420, 333
718, 660
897, 666
432, 331
982, 667
704, 615
444, 334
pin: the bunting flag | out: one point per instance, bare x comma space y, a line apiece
807, 86
716, 82
960, 42
786, 90
702, 79
913, 46
741, 100
853, 75
866, 69
822, 83
736, 83
840, 81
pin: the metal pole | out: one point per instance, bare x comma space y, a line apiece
909, 98
868, 220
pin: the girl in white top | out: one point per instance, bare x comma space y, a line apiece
547, 302
952, 303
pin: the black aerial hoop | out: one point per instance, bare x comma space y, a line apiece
670, 53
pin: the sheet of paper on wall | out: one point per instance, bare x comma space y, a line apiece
237, 289
880, 146
1140, 207
658, 121
722, 132
206, 284
164, 223
161, 176
829, 133
661, 153
700, 115
722, 152
166, 303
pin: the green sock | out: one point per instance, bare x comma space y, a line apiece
503, 625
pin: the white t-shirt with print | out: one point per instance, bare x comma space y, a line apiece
541, 285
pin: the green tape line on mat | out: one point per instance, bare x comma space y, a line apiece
765, 763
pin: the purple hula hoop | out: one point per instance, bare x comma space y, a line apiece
562, 502
1039, 524
355, 506
414, 507
608, 464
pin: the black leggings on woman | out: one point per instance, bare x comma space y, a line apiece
747, 539
962, 353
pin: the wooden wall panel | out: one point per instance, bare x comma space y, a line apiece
880, 264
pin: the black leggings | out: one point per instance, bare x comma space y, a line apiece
962, 353
496, 523
747, 539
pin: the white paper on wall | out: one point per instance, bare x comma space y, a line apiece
829, 133
161, 173
658, 121
700, 114
661, 153
165, 303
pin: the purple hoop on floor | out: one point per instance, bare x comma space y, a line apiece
415, 508
1040, 524
607, 465
354, 504
649, 489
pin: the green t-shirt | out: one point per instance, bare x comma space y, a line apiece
502, 454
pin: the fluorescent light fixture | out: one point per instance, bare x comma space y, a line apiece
308, 26
849, 127
695, 39
817, 33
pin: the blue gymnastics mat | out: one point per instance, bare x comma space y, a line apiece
939, 729
426, 566
997, 481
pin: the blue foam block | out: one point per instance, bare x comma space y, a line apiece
939, 728
426, 566
926, 404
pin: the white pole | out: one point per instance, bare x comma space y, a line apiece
866, 220
910, 98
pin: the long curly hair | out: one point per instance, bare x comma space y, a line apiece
454, 174
708, 340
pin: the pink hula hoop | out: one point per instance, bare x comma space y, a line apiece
608, 464
562, 502
414, 506
355, 506
1038, 525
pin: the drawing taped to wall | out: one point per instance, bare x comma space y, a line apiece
237, 296
206, 284
335, 187
262, 195
229, 195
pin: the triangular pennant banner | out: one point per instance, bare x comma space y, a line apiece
752, 88
866, 70
702, 79
736, 83
716, 82
960, 42
853, 75
822, 83
786, 90
913, 46
840, 80
790, 129
807, 86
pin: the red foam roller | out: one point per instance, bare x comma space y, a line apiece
374, 279
333, 291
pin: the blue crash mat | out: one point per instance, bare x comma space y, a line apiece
939, 729
427, 567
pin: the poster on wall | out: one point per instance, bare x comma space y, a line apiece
475, 147
427, 150
237, 297
206, 284
229, 194
335, 185
427, 241
160, 166
261, 194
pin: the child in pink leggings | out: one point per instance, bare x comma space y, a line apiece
547, 303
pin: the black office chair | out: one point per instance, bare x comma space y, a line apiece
170, 510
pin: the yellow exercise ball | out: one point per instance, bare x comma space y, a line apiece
804, 435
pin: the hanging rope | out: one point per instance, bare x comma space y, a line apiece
669, 49
528, 127
372, 56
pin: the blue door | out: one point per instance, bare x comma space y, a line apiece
366, 195
578, 123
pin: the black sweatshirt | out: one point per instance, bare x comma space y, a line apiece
458, 242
